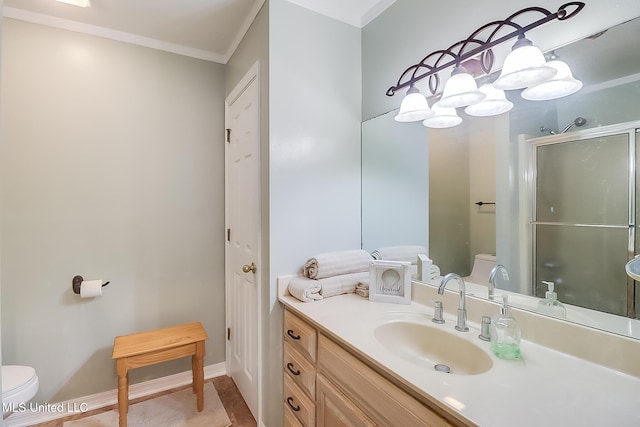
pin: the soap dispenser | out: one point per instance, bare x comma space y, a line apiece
550, 304
505, 333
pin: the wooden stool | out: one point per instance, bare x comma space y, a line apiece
160, 345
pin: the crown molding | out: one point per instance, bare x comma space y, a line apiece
66, 24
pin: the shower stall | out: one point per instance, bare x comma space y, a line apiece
584, 216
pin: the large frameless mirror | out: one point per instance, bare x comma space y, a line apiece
483, 160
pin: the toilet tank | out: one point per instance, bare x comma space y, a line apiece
482, 266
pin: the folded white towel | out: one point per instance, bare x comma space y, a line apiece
304, 289
408, 253
336, 263
342, 284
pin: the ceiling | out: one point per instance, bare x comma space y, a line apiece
205, 29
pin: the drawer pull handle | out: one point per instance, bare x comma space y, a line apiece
290, 368
290, 403
293, 335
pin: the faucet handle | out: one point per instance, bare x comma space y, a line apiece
437, 312
485, 329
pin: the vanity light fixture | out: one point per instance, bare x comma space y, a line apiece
562, 84
525, 66
414, 107
79, 3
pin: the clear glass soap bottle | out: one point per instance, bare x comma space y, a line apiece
550, 304
505, 333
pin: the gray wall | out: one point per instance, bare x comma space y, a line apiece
310, 153
111, 167
314, 107
1, 142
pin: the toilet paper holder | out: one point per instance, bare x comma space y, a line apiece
77, 281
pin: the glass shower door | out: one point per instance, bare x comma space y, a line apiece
583, 220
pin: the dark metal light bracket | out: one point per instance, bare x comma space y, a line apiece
475, 45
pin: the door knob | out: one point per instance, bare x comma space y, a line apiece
249, 268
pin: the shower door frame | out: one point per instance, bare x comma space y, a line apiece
629, 128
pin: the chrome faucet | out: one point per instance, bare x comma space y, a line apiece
492, 278
462, 306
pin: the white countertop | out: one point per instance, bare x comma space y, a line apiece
544, 388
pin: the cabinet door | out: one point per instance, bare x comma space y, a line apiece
334, 409
384, 402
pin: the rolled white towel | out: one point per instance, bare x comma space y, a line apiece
342, 284
414, 272
434, 271
362, 288
336, 263
363, 283
407, 253
363, 292
304, 289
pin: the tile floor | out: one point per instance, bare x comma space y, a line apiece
237, 409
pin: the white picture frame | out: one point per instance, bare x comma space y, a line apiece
390, 281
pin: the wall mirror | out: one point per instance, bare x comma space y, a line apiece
489, 160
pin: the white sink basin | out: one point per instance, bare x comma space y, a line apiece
428, 346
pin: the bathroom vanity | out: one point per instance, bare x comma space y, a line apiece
349, 361
323, 382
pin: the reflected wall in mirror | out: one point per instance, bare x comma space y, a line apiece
610, 70
395, 205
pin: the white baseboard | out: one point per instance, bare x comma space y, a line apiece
43, 413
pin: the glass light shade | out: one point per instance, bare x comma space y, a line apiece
562, 84
524, 66
444, 118
460, 90
493, 104
414, 107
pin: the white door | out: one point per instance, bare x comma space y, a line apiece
242, 157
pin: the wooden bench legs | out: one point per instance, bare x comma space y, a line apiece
123, 392
160, 345
197, 368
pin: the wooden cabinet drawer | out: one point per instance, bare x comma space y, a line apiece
383, 401
300, 369
299, 403
300, 334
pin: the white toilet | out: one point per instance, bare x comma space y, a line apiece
19, 385
482, 266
